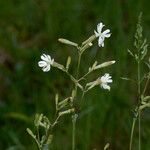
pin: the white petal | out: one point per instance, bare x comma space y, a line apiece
47, 68
96, 34
106, 31
44, 57
105, 86
49, 57
106, 75
42, 63
99, 27
109, 81
103, 44
100, 41
107, 35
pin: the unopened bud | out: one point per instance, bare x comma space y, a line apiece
64, 102
73, 93
49, 140
105, 64
146, 98
65, 41
68, 63
30, 133
106, 146
56, 101
38, 119
66, 112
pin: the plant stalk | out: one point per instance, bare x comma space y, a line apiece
132, 131
139, 99
74, 117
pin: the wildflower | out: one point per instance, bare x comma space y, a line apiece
102, 35
105, 80
46, 62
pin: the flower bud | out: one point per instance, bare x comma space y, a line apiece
66, 112
65, 41
105, 64
73, 94
38, 119
56, 101
49, 139
68, 63
106, 146
64, 102
31, 133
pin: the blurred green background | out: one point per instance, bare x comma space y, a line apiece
29, 28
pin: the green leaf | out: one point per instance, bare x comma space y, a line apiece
18, 116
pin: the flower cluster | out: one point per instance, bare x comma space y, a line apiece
68, 105
47, 62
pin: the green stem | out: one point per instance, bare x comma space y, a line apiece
147, 82
38, 144
84, 76
74, 119
139, 100
132, 131
139, 122
38, 135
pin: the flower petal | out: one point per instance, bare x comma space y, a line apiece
107, 35
96, 34
105, 86
49, 57
42, 63
106, 75
44, 57
109, 81
103, 44
99, 27
106, 31
100, 41
47, 68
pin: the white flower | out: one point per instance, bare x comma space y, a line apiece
102, 35
105, 80
46, 62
